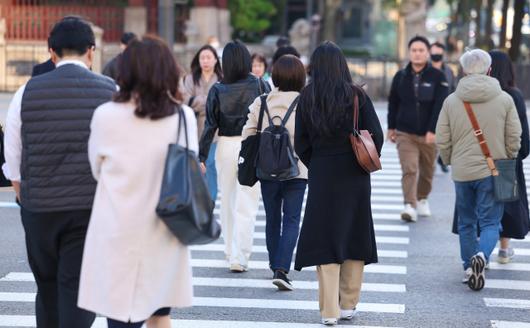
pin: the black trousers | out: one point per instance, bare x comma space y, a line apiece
54, 242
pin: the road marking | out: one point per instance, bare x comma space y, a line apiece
289, 304
372, 268
518, 251
263, 249
217, 210
377, 227
239, 283
507, 303
508, 284
29, 321
509, 324
510, 266
378, 239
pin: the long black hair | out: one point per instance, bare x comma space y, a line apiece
502, 69
196, 70
237, 63
328, 99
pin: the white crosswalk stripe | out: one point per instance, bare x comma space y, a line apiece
29, 321
509, 324
383, 287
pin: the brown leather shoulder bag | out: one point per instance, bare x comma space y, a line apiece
363, 144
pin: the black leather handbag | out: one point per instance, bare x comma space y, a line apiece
185, 205
248, 155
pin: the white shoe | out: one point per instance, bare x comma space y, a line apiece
409, 214
238, 268
329, 321
347, 314
423, 208
467, 273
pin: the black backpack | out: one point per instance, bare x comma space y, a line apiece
277, 160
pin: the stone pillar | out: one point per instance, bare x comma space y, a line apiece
97, 63
211, 18
3, 62
135, 19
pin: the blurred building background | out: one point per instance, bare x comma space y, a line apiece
372, 33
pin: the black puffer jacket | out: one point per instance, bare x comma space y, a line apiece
227, 109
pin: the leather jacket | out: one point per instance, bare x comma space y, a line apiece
227, 109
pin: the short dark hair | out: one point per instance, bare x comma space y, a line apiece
439, 45
71, 35
283, 41
287, 50
236, 62
260, 58
288, 74
149, 75
419, 38
127, 37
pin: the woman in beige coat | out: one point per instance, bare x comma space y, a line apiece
134, 269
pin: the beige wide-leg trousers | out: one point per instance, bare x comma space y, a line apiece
339, 287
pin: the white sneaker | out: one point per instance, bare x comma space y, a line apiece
467, 274
329, 321
238, 268
347, 314
423, 208
409, 214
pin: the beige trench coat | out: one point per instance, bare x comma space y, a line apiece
132, 264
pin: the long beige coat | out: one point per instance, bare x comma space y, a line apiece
132, 264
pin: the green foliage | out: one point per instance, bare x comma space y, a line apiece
250, 17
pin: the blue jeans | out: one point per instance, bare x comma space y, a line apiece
477, 207
211, 171
282, 231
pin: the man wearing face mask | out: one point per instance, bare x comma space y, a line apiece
437, 61
415, 100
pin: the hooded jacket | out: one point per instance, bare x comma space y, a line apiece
497, 116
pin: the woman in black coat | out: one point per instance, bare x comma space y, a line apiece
337, 232
515, 220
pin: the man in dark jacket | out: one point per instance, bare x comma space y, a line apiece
416, 97
437, 61
111, 69
45, 67
47, 129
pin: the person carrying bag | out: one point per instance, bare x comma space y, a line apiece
502, 170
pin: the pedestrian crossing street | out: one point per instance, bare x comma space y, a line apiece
507, 289
224, 299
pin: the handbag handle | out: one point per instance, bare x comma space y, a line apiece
182, 121
480, 137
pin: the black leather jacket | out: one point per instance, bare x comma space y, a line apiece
227, 109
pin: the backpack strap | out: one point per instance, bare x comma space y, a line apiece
290, 110
262, 109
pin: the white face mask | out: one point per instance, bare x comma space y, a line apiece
215, 44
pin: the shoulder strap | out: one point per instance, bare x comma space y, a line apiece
356, 114
262, 109
290, 110
480, 137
